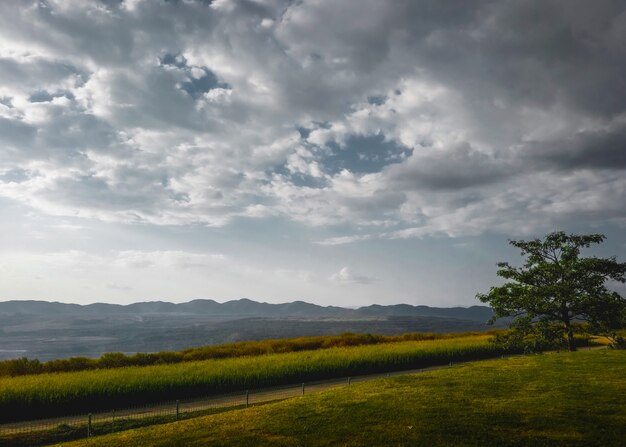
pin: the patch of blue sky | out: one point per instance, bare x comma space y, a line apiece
14, 176
45, 96
300, 179
377, 100
363, 155
195, 86
176, 60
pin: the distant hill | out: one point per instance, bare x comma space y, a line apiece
243, 308
476, 313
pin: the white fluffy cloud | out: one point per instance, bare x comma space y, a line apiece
346, 277
507, 115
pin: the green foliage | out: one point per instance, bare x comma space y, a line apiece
529, 338
56, 394
561, 400
558, 286
25, 366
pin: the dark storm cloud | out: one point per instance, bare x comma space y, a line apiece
573, 49
527, 52
454, 169
537, 54
595, 149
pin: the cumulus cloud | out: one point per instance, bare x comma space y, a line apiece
346, 277
407, 119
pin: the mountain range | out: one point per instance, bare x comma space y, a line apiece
243, 308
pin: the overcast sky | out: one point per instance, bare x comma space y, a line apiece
339, 152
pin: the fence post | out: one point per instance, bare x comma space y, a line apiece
349, 380
303, 388
177, 409
89, 428
247, 398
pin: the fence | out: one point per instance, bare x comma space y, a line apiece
106, 422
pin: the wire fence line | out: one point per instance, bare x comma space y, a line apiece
92, 424
107, 422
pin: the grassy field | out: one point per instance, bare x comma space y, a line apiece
556, 399
57, 394
24, 366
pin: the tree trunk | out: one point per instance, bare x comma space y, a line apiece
571, 342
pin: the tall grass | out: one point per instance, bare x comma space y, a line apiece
573, 399
25, 366
57, 394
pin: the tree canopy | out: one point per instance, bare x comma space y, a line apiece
556, 285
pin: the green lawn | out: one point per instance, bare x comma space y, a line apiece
568, 399
57, 394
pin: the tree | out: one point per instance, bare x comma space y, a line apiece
558, 287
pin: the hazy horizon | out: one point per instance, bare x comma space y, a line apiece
339, 153
227, 301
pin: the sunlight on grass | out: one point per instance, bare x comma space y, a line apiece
561, 399
56, 394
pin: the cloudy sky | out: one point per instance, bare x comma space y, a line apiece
339, 152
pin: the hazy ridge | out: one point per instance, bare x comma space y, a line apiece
242, 308
48, 330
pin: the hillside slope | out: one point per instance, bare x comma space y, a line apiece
560, 399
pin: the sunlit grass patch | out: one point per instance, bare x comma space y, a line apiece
29, 397
538, 400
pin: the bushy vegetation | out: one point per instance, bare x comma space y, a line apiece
555, 288
57, 394
534, 337
25, 366
556, 399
